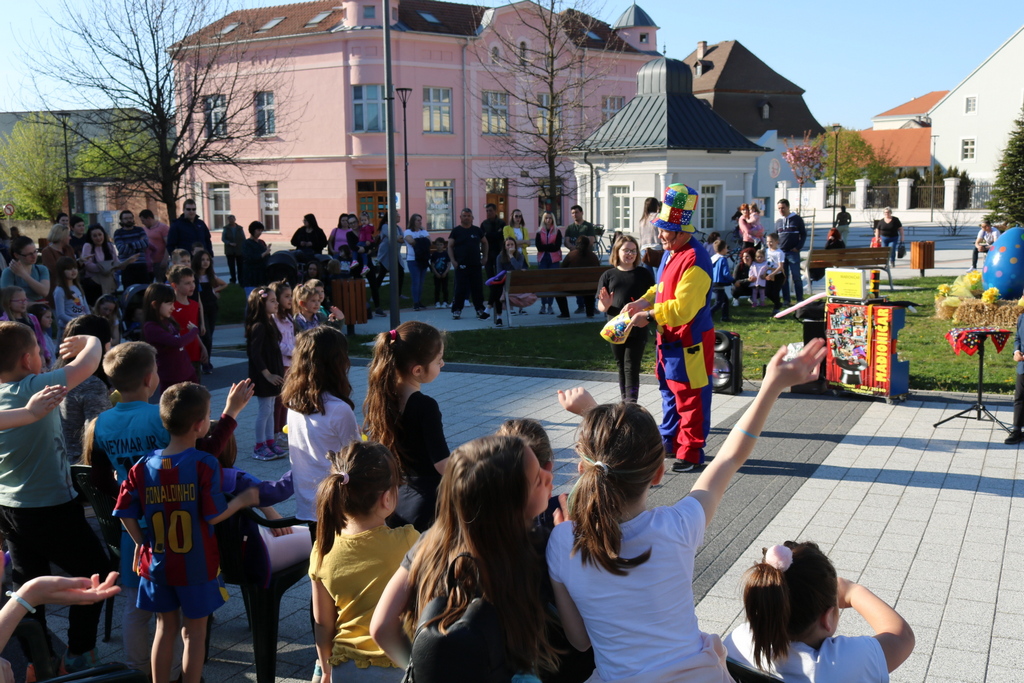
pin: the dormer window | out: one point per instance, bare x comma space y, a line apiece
427, 16
229, 28
645, 38
270, 24
318, 18
698, 68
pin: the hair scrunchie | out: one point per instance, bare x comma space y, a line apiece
778, 556
393, 334
344, 478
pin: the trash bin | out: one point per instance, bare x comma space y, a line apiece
922, 255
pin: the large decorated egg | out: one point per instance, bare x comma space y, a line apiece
1004, 265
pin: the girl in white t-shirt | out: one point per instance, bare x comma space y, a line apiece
318, 396
622, 574
792, 600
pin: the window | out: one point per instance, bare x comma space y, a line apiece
318, 18
522, 54
967, 150
545, 111
368, 108
440, 199
495, 55
620, 207
369, 11
698, 68
766, 110
270, 24
971, 105
437, 110
427, 16
229, 28
220, 204
268, 207
495, 113
708, 207
266, 119
594, 36
610, 105
215, 110
645, 37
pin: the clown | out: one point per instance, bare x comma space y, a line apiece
680, 305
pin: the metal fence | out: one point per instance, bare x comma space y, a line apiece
844, 198
926, 197
881, 197
977, 195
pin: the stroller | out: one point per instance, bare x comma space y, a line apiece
282, 265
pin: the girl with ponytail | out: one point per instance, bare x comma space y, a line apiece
354, 554
792, 599
622, 574
405, 421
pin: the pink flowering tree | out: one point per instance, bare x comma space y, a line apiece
807, 160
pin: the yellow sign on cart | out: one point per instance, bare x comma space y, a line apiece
846, 283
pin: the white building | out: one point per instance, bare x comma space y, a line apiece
973, 121
665, 135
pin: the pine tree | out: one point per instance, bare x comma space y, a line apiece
1007, 201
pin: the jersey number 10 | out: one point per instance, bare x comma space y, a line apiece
177, 538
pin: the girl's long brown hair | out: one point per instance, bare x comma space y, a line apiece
256, 314
624, 438
782, 605
320, 366
360, 473
395, 354
481, 512
159, 294
65, 263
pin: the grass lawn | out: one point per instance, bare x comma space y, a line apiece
933, 365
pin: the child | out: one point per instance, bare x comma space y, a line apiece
123, 436
162, 332
321, 414
38, 514
776, 277
92, 396
354, 548
187, 312
14, 305
440, 265
306, 307
286, 326
334, 315
711, 244
180, 257
792, 600
266, 368
721, 278
407, 422
178, 493
106, 308
513, 259
622, 574
68, 300
207, 292
758, 278
480, 546
44, 314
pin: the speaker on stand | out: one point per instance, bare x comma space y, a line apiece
727, 373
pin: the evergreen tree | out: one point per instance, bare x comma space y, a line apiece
1007, 201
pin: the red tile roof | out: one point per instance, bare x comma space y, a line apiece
917, 106
904, 147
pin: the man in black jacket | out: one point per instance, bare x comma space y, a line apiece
187, 230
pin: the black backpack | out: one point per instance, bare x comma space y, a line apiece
472, 649
421, 249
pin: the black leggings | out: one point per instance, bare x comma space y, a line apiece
628, 357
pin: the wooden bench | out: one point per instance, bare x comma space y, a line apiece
872, 258
552, 282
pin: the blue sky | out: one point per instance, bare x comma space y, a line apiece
853, 62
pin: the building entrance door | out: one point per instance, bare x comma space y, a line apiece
497, 194
372, 197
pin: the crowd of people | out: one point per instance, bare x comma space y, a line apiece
429, 562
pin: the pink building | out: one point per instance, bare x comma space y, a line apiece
324, 150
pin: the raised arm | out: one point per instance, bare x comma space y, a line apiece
711, 485
86, 352
892, 631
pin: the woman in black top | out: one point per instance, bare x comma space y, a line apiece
741, 275
890, 230
309, 239
617, 287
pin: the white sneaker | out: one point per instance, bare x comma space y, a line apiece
438, 305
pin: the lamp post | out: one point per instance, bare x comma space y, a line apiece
932, 171
64, 116
836, 127
403, 94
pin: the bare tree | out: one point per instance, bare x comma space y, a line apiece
544, 73
169, 90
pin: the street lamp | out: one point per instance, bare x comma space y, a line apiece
932, 171
64, 116
836, 127
403, 94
